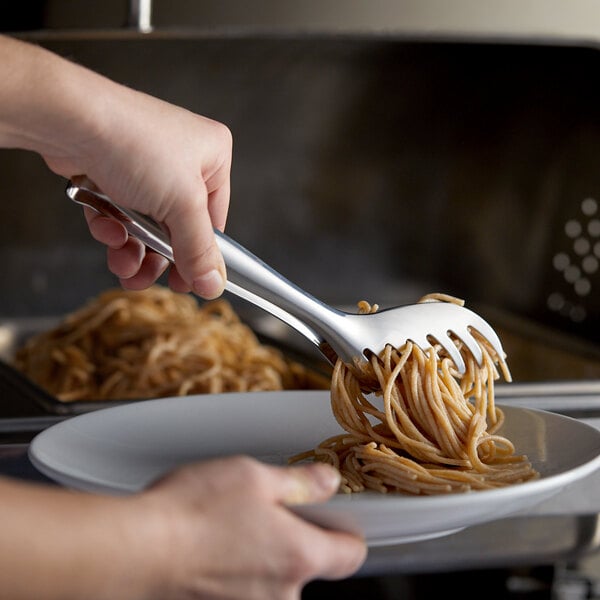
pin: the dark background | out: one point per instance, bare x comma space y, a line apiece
364, 166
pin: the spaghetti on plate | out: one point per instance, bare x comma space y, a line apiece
427, 429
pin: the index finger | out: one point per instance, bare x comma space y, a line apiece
338, 554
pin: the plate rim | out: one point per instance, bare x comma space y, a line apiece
539, 489
541, 482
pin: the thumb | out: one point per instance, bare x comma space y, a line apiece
197, 256
309, 483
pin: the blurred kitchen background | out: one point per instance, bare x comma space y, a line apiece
383, 150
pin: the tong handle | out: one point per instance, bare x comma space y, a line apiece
248, 277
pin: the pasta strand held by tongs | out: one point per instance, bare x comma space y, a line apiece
437, 431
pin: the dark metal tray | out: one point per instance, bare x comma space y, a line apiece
19, 396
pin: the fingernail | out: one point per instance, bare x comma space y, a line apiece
210, 285
326, 477
313, 483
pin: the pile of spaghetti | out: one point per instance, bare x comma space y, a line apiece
155, 343
428, 430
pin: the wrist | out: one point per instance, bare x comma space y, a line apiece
50, 105
147, 531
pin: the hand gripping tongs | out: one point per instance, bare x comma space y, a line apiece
351, 337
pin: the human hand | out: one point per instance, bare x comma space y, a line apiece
176, 171
227, 533
144, 153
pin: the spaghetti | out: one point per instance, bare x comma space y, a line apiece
431, 431
156, 343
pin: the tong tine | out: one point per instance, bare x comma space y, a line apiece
466, 337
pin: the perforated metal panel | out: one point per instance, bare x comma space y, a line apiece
571, 290
577, 265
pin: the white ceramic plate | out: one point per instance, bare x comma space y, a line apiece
121, 450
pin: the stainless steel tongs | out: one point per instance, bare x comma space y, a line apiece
351, 337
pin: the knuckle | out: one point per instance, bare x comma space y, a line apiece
302, 564
334, 561
250, 471
183, 204
351, 556
224, 135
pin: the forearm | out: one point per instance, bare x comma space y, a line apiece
46, 102
63, 545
